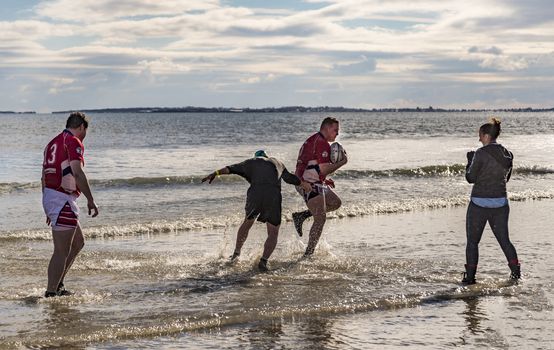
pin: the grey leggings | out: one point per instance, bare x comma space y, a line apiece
476, 220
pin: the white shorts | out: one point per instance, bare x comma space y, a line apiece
61, 208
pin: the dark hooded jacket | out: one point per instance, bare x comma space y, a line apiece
489, 171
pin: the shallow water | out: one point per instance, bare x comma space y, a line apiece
385, 280
154, 271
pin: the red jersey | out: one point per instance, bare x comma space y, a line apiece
56, 170
314, 151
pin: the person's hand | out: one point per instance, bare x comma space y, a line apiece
48, 221
306, 186
470, 156
209, 178
330, 183
92, 208
344, 159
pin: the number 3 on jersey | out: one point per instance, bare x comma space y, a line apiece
51, 156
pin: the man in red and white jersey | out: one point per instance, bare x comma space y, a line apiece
63, 179
313, 166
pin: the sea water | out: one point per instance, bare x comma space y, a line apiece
154, 271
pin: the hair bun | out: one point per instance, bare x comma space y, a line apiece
495, 121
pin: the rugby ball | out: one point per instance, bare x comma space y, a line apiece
337, 152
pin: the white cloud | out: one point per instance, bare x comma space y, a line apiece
258, 79
104, 10
346, 43
504, 63
162, 66
62, 84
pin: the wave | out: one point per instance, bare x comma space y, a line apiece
197, 224
442, 170
424, 171
452, 170
8, 187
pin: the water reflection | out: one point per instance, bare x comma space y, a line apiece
318, 333
63, 322
474, 315
265, 335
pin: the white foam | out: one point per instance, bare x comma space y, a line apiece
347, 210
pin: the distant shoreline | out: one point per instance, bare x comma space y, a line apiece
289, 109
294, 109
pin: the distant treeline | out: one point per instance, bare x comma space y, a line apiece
12, 112
300, 109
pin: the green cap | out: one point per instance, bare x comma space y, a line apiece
260, 153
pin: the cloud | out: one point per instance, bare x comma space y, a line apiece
492, 57
104, 10
504, 63
162, 66
61, 85
493, 50
258, 79
218, 48
364, 66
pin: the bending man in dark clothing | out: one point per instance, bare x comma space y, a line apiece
263, 199
489, 169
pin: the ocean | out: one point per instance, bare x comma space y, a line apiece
154, 271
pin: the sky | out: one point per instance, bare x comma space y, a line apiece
83, 54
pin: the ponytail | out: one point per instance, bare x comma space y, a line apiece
491, 128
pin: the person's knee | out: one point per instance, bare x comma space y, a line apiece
320, 218
337, 203
62, 249
78, 240
79, 245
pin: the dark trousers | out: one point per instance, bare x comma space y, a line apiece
476, 220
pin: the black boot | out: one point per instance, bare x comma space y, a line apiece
299, 218
48, 294
262, 265
516, 271
469, 276
62, 291
234, 257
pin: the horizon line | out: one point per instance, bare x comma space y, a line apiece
197, 109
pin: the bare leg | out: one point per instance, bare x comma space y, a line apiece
319, 206
271, 241
57, 266
76, 246
242, 234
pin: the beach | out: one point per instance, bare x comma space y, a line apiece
154, 272
378, 281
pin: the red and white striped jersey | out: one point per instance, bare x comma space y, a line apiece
56, 170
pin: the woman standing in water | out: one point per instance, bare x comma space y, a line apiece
489, 169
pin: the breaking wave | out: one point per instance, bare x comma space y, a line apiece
452, 170
196, 224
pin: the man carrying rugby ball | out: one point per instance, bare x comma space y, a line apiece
313, 166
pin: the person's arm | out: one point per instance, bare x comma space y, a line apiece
328, 168
511, 167
43, 185
83, 185
473, 166
211, 177
290, 178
